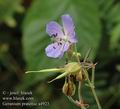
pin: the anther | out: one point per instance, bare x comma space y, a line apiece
60, 43
54, 47
54, 35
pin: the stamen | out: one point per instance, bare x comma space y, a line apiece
54, 47
60, 43
54, 35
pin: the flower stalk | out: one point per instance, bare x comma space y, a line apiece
92, 89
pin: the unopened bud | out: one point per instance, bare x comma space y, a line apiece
69, 88
72, 68
79, 76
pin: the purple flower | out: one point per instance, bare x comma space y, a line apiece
62, 37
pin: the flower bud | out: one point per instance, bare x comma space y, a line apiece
79, 76
72, 68
69, 88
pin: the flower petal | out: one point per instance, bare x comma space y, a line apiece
72, 37
66, 46
54, 29
69, 28
54, 50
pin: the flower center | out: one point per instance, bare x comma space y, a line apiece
65, 38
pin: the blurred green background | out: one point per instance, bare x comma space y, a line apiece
23, 40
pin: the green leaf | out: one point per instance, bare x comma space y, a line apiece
110, 16
7, 9
85, 15
104, 6
114, 22
115, 37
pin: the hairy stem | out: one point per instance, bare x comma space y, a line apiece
93, 90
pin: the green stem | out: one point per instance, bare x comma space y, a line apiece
79, 94
67, 57
87, 55
79, 91
93, 75
76, 54
79, 86
83, 107
93, 91
73, 101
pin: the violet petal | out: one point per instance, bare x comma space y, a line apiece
66, 46
53, 50
54, 29
69, 28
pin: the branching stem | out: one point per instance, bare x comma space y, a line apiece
93, 90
